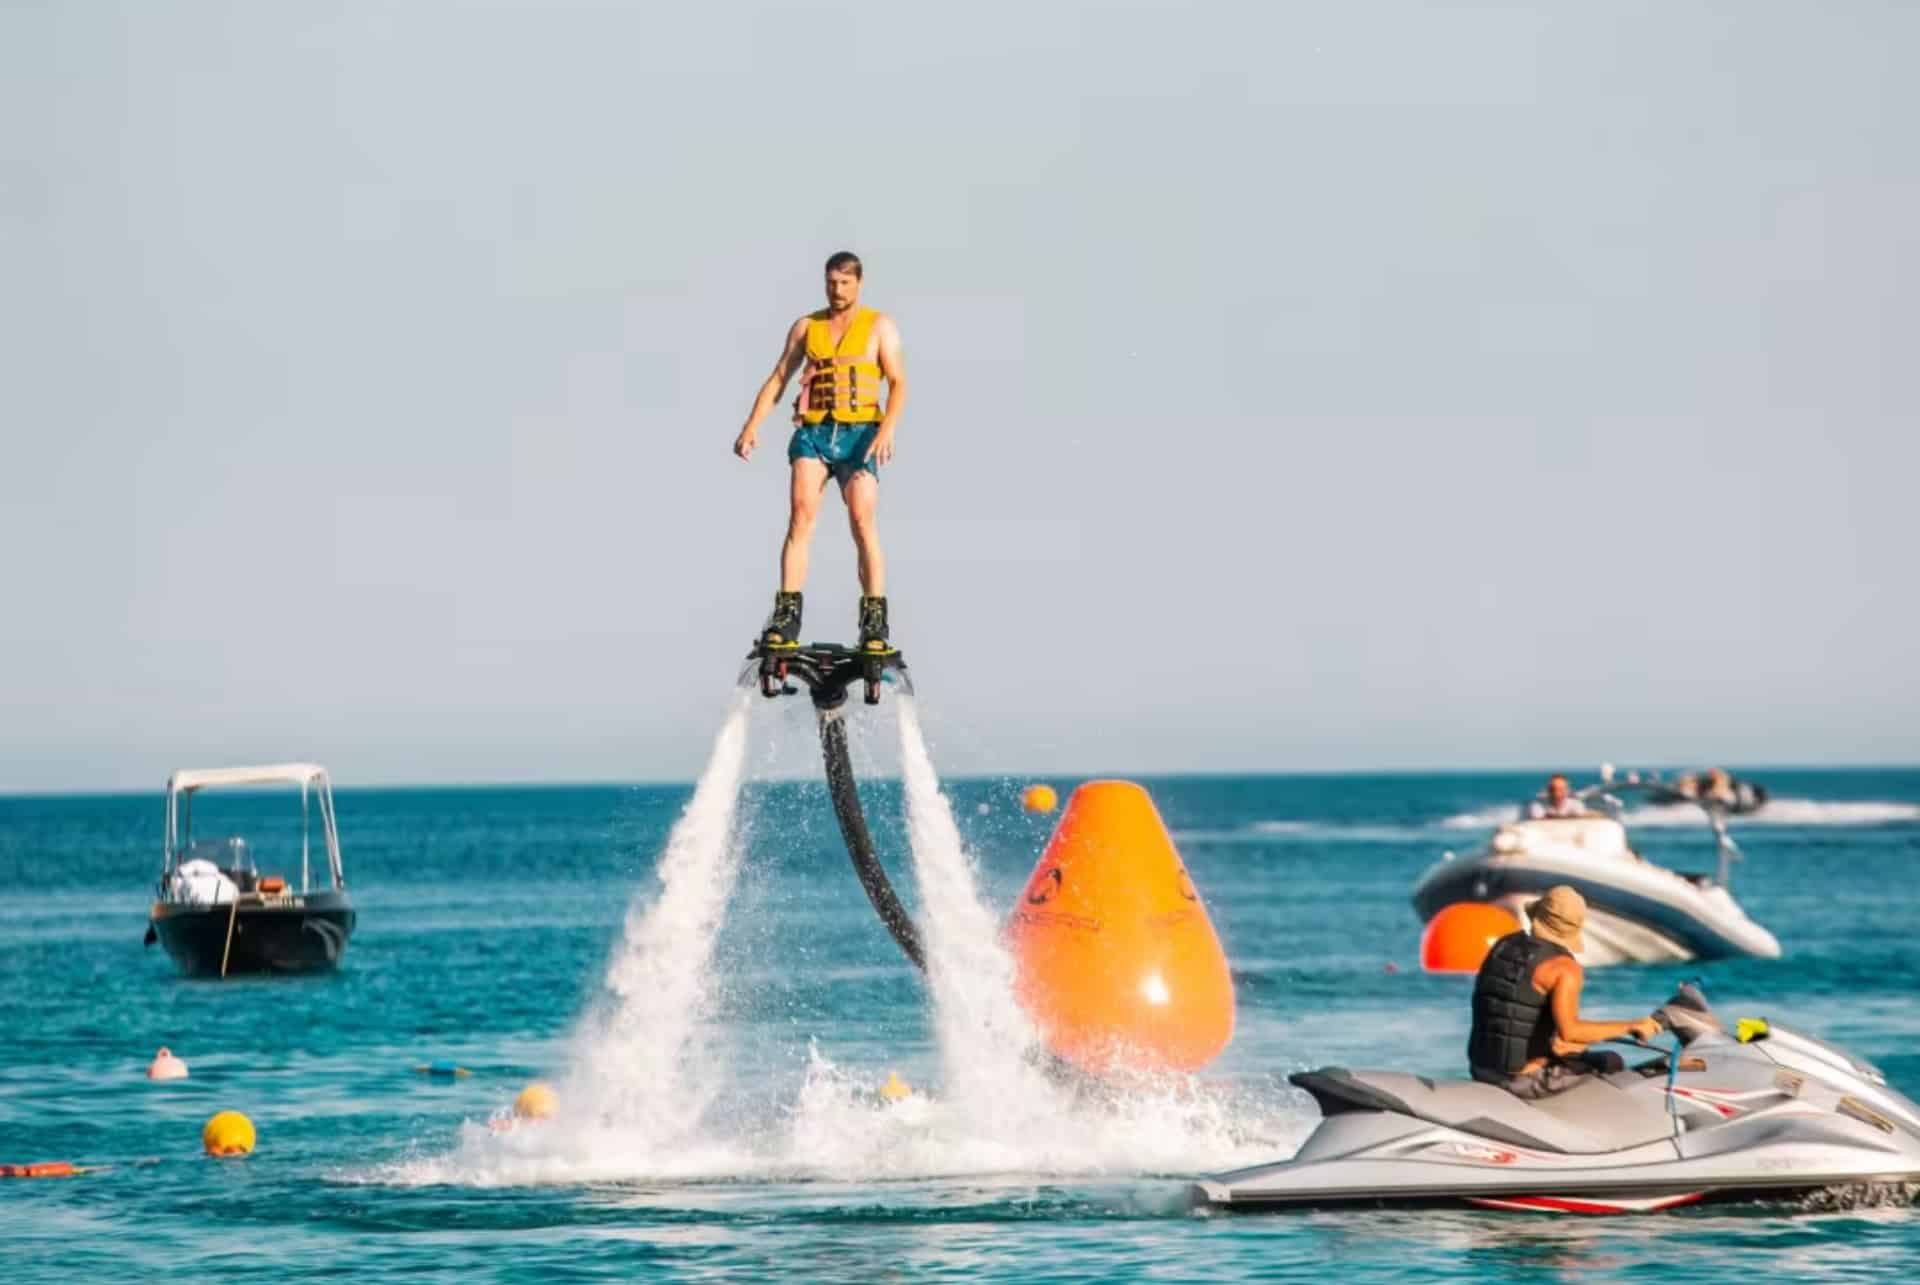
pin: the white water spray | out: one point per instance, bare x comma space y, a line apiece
1015, 1114
980, 1026
632, 1060
638, 1102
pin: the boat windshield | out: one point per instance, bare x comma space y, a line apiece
264, 830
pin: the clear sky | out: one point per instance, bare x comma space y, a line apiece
1360, 385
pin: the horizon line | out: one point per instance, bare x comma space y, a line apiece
689, 782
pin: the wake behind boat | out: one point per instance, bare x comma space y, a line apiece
1759, 1113
218, 915
1638, 912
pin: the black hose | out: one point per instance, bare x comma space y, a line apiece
853, 827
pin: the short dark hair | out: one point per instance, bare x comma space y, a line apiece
846, 261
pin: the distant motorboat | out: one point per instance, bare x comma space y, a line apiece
1637, 912
1714, 788
217, 915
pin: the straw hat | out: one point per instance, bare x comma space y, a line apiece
1558, 916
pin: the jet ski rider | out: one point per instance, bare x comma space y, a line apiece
1528, 1034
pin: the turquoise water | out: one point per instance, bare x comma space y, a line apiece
493, 919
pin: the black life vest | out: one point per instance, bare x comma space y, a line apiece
1512, 1024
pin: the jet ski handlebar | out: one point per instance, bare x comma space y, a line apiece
1688, 1015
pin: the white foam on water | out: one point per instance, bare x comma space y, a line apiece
1016, 1115
646, 1098
1790, 812
1786, 812
1483, 818
636, 1083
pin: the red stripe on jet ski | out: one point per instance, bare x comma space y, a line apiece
1711, 1098
1571, 1205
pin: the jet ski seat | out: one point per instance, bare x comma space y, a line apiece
1597, 1115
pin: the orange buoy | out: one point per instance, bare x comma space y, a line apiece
42, 1169
1458, 938
1115, 957
1039, 798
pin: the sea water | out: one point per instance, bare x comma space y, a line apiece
699, 975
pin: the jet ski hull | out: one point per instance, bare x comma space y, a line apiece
1770, 1116
1785, 1172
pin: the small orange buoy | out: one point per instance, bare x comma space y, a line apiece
1115, 957
1039, 798
1458, 938
895, 1089
42, 1169
228, 1134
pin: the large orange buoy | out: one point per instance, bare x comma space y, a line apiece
1115, 957
1458, 938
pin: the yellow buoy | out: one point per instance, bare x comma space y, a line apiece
537, 1101
1039, 798
228, 1134
895, 1088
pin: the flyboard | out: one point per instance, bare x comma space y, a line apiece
828, 671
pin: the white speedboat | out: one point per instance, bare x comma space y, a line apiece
1637, 912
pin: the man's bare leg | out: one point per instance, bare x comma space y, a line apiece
862, 494
808, 484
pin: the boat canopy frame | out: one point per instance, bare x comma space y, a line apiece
316, 794
1608, 791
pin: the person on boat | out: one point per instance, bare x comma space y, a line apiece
1556, 800
1529, 1036
842, 433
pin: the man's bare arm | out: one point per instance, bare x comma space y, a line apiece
770, 391
1574, 1029
893, 365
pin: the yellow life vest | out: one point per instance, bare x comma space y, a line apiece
839, 380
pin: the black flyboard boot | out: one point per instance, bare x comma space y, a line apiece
779, 640
873, 624
783, 624
874, 647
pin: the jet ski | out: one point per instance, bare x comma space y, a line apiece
1637, 912
1761, 1113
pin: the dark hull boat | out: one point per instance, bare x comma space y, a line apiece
218, 916
285, 934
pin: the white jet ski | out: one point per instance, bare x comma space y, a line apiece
1637, 912
1762, 1113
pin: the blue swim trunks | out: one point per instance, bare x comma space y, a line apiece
841, 447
